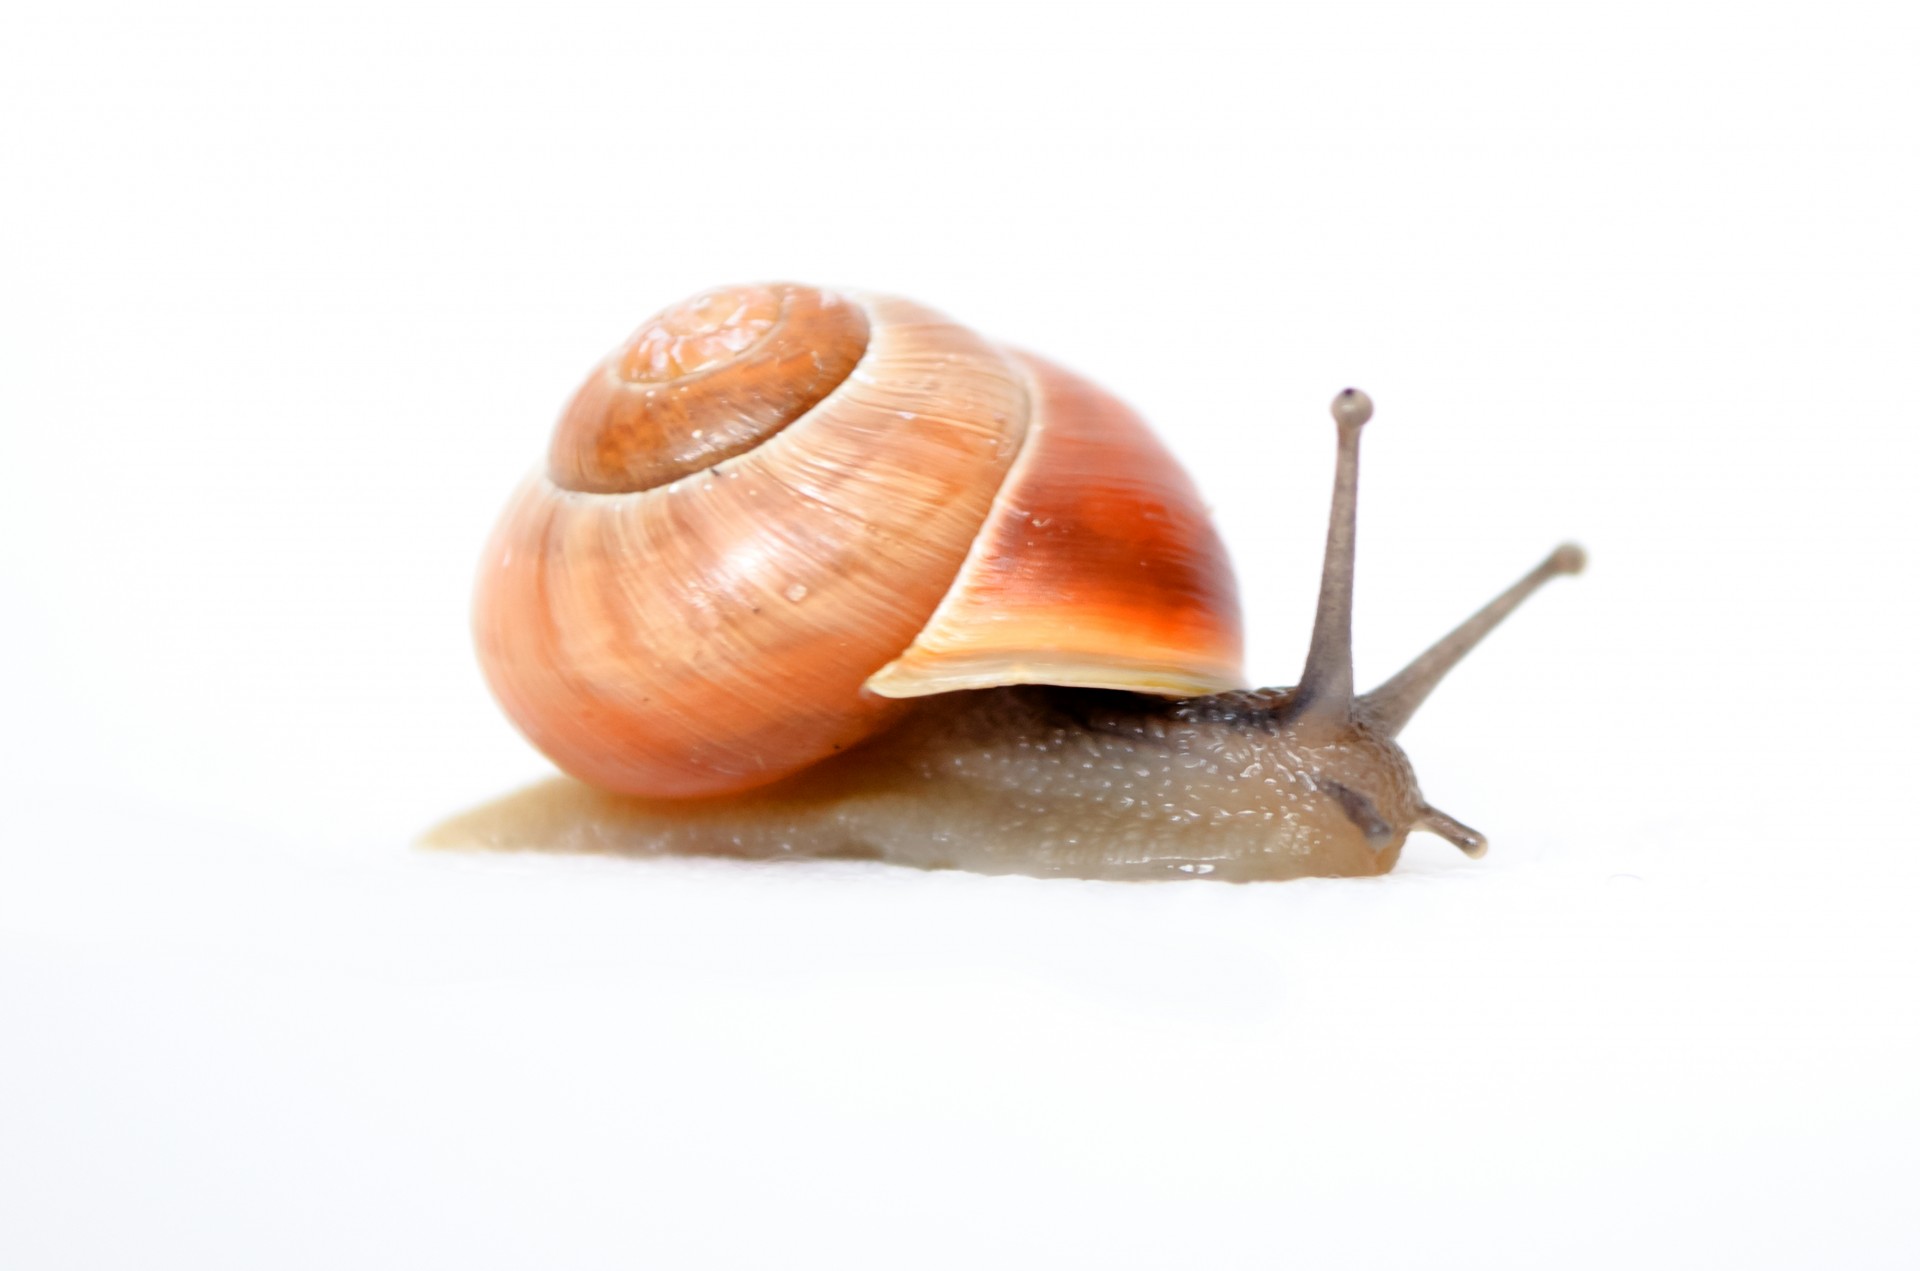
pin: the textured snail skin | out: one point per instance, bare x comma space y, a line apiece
1050, 782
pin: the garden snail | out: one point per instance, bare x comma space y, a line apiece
822, 574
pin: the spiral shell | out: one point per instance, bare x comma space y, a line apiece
775, 512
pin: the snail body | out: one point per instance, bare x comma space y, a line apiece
1054, 782
930, 602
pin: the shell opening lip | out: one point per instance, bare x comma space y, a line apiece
894, 681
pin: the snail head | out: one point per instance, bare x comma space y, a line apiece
1345, 742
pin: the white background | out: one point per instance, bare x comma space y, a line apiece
288, 298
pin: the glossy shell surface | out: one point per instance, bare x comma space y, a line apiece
775, 511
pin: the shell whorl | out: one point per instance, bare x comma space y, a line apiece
703, 381
725, 549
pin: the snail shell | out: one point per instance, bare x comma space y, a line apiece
776, 512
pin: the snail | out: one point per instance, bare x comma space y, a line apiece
810, 573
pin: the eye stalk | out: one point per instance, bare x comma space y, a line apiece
1326, 685
1388, 708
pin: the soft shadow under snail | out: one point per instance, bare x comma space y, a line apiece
811, 573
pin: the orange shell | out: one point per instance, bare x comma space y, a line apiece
948, 515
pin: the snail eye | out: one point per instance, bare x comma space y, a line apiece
1360, 810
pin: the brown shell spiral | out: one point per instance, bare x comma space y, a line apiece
776, 510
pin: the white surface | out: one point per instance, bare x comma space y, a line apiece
289, 301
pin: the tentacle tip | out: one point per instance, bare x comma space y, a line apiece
1568, 558
1352, 408
1471, 842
